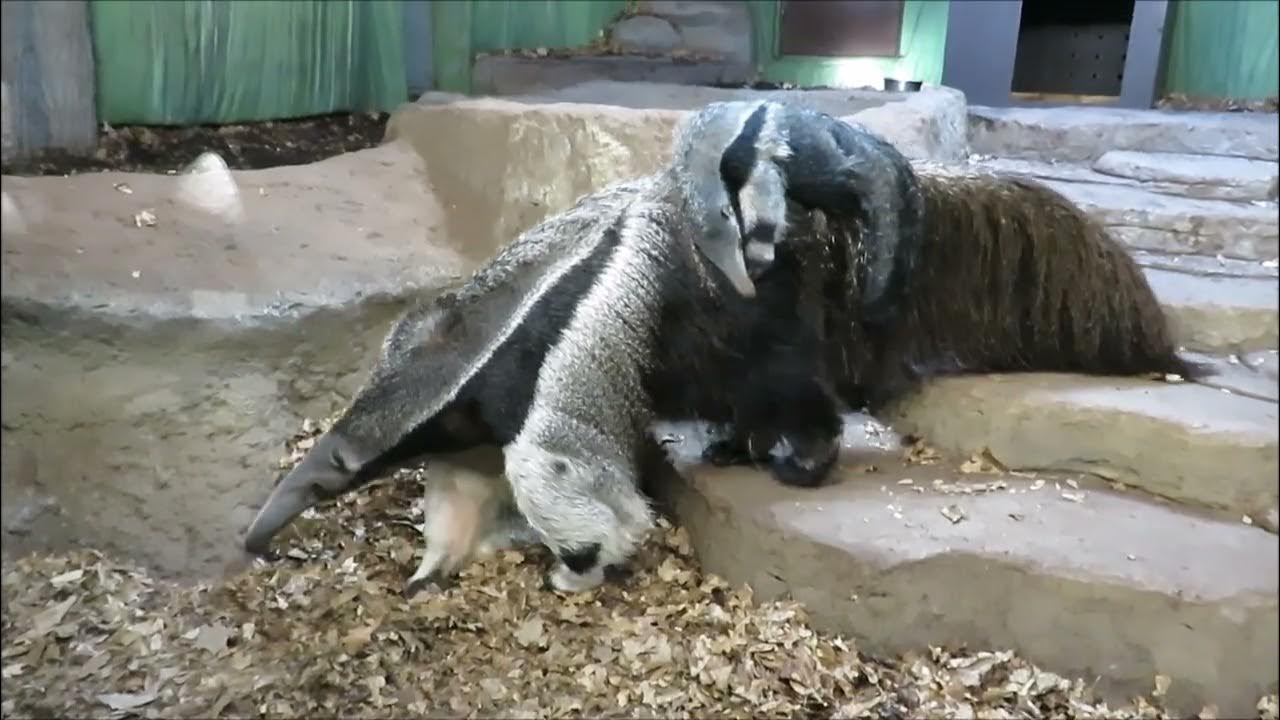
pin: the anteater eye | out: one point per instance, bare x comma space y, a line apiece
726, 212
335, 459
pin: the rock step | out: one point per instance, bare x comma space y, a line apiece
1080, 134
1255, 374
1187, 442
1115, 585
1194, 176
1218, 313
1156, 218
1206, 176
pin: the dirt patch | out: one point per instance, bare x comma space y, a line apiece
243, 146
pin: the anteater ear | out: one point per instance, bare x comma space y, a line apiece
722, 246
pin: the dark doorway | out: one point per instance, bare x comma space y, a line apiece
1072, 48
840, 28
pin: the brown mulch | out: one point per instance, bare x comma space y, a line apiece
243, 146
329, 633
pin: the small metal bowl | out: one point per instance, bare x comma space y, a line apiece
893, 85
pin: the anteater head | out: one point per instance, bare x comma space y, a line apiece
755, 161
720, 208
404, 412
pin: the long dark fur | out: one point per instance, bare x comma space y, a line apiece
1010, 277
756, 367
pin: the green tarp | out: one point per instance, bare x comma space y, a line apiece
1223, 48
186, 62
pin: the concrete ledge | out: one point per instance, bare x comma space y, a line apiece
1155, 221
926, 125
328, 234
499, 167
515, 74
1225, 178
1217, 313
508, 163
1080, 134
1244, 187
1111, 586
1186, 442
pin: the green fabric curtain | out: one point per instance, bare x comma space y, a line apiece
1222, 48
463, 28
186, 62
504, 24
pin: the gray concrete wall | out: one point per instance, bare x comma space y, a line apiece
48, 77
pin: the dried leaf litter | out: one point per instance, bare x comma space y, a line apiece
328, 632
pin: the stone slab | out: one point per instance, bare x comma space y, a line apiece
546, 150
1084, 134
1211, 266
1076, 172
503, 166
328, 234
1239, 178
1154, 221
1219, 313
1114, 586
1250, 374
1187, 442
925, 125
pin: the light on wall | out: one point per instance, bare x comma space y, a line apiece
859, 72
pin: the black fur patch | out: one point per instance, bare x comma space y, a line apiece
504, 389
740, 157
583, 559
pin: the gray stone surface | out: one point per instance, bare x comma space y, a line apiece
151, 374
1083, 134
1154, 221
507, 165
1187, 442
1218, 313
511, 162
512, 75
357, 225
1236, 188
1217, 266
1228, 178
928, 125
1115, 586
1251, 374
645, 34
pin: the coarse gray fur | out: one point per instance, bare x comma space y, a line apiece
551, 351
